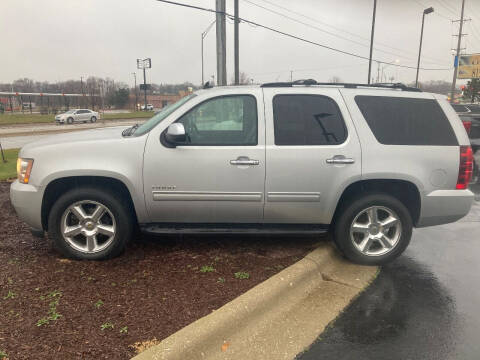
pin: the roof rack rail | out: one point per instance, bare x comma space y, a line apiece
310, 82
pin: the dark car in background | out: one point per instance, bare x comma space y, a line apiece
470, 116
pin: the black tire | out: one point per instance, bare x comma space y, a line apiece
70, 120
93, 119
120, 209
351, 209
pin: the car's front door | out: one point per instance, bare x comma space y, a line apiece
218, 174
313, 153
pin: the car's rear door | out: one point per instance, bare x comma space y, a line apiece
313, 153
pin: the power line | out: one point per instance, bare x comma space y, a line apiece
295, 36
344, 31
447, 7
438, 13
330, 33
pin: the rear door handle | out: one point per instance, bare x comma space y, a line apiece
340, 159
244, 160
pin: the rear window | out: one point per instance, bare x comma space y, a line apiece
307, 120
406, 121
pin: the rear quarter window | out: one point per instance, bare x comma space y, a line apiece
406, 121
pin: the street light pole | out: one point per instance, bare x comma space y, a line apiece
144, 64
145, 88
371, 40
136, 95
425, 12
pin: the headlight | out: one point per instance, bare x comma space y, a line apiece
24, 168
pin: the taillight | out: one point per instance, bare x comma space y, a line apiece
466, 167
468, 126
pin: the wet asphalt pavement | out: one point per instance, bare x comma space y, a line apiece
425, 305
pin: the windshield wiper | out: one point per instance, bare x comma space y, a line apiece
129, 131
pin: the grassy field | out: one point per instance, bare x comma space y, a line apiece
9, 169
7, 119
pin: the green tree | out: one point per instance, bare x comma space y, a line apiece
121, 97
472, 90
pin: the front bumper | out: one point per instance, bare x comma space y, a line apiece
27, 201
444, 206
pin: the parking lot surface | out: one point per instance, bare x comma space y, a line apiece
422, 306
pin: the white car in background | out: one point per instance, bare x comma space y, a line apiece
149, 107
77, 115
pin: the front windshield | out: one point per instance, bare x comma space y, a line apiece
161, 115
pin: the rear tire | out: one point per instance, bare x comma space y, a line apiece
373, 229
93, 119
77, 232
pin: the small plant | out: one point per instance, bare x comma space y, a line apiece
242, 275
10, 281
124, 330
53, 315
221, 280
98, 304
10, 295
207, 268
113, 284
3, 355
106, 326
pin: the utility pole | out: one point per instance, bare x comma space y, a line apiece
425, 12
371, 41
221, 43
236, 44
83, 94
459, 43
291, 75
136, 95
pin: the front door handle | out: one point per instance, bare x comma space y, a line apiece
244, 160
340, 159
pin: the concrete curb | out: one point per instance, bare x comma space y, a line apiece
276, 319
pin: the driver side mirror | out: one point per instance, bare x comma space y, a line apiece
176, 134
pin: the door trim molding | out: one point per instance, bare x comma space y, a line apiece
206, 196
289, 196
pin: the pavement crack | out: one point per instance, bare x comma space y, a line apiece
326, 277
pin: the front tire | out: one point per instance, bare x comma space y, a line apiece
90, 223
373, 229
70, 120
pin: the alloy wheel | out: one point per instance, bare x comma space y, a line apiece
376, 230
88, 226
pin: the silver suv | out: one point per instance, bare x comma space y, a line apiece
367, 163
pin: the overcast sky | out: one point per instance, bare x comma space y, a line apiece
57, 40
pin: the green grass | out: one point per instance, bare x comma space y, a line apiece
9, 119
9, 169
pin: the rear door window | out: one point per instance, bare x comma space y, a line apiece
406, 121
307, 120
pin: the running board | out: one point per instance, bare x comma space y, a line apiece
184, 228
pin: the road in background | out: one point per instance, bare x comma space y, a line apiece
12, 137
424, 305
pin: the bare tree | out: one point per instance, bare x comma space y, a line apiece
335, 80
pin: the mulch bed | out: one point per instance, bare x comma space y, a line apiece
51, 307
